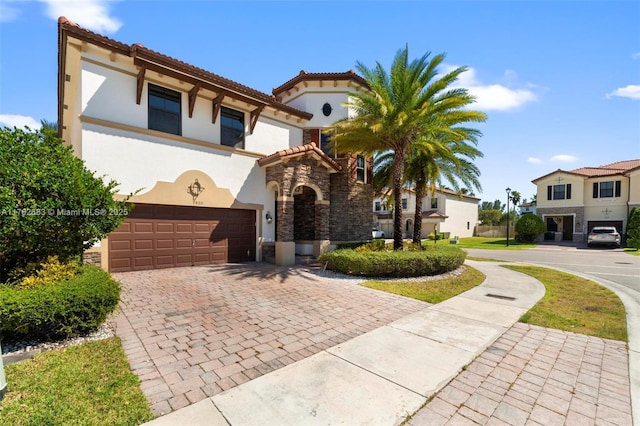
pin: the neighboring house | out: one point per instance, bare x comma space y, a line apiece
451, 212
571, 202
224, 172
527, 208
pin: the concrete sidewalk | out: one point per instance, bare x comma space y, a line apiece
383, 376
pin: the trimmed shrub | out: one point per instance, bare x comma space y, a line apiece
52, 270
375, 245
528, 227
59, 309
399, 264
351, 245
633, 229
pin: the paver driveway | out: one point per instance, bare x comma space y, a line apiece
190, 333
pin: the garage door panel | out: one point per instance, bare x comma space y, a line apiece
184, 228
167, 227
143, 244
120, 245
156, 236
164, 244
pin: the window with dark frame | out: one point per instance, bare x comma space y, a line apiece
378, 206
434, 203
404, 203
165, 110
231, 128
360, 168
559, 192
607, 189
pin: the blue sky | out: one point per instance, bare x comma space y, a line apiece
559, 80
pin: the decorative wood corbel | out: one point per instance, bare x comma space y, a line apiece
140, 85
254, 118
217, 103
193, 94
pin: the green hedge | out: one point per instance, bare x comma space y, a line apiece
60, 309
432, 261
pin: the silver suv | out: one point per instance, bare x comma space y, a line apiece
603, 235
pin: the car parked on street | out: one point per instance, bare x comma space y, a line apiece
377, 233
603, 235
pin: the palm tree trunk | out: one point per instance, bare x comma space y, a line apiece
421, 189
398, 175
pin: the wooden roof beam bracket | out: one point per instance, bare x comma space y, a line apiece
217, 103
254, 118
140, 83
193, 94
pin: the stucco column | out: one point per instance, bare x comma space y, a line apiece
285, 246
322, 240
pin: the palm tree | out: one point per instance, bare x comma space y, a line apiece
451, 161
403, 112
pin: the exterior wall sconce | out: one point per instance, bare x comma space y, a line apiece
268, 217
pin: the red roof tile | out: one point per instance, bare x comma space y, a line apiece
308, 149
311, 76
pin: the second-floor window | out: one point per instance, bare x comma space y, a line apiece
607, 189
231, 128
164, 110
434, 203
378, 206
404, 203
360, 168
559, 192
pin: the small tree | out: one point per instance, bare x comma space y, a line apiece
50, 204
528, 228
633, 229
489, 217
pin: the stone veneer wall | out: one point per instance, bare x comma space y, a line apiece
301, 171
350, 217
92, 258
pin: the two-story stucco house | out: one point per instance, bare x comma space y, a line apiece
449, 211
574, 201
223, 172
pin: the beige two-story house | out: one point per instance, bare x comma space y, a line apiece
572, 202
447, 210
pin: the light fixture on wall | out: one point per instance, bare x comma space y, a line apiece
268, 217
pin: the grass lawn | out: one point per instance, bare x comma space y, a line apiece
632, 251
572, 303
490, 243
432, 291
89, 384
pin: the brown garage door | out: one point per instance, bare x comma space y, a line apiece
157, 236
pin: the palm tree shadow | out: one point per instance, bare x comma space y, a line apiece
262, 270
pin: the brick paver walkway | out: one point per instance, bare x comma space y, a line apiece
538, 376
190, 333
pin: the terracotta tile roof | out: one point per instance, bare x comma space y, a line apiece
137, 50
433, 214
617, 168
308, 149
311, 76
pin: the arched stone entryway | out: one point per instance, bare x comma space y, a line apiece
302, 175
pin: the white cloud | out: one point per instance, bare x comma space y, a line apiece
494, 96
8, 13
19, 121
91, 14
632, 91
534, 160
564, 158
635, 55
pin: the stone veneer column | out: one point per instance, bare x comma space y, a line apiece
285, 246
322, 240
